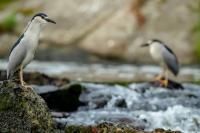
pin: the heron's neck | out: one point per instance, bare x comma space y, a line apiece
33, 30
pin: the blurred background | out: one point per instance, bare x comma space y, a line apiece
105, 36
98, 41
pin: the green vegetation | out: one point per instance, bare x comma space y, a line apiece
196, 31
196, 28
197, 48
4, 3
27, 11
162, 1
9, 22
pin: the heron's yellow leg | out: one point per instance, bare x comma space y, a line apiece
22, 79
158, 78
165, 82
21, 76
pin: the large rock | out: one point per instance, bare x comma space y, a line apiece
108, 28
22, 111
121, 37
76, 18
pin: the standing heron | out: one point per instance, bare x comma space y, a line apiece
162, 54
23, 51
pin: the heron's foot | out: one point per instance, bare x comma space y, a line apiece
158, 78
25, 84
26, 87
164, 83
29, 87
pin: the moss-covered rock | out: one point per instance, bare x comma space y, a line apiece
110, 128
22, 111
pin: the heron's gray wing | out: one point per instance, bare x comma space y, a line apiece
16, 43
16, 58
171, 60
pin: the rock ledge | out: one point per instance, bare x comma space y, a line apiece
22, 111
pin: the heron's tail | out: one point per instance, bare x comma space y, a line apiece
8, 74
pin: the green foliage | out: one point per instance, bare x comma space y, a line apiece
4, 105
9, 22
77, 129
4, 3
196, 28
162, 1
197, 47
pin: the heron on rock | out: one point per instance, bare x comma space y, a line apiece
163, 55
23, 51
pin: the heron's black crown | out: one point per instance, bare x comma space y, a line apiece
156, 40
42, 15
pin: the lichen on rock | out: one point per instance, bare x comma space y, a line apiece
110, 128
22, 111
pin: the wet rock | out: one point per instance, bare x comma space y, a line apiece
125, 122
100, 102
64, 99
22, 111
43, 79
37, 78
40, 82
111, 128
160, 130
171, 84
94, 100
121, 103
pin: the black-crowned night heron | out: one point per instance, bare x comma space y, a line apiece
162, 54
23, 51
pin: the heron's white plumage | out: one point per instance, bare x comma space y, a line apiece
156, 51
164, 56
31, 36
24, 52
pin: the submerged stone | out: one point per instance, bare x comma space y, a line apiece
64, 99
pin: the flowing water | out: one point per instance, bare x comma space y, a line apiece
133, 104
138, 106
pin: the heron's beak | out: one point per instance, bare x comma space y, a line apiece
50, 20
145, 45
